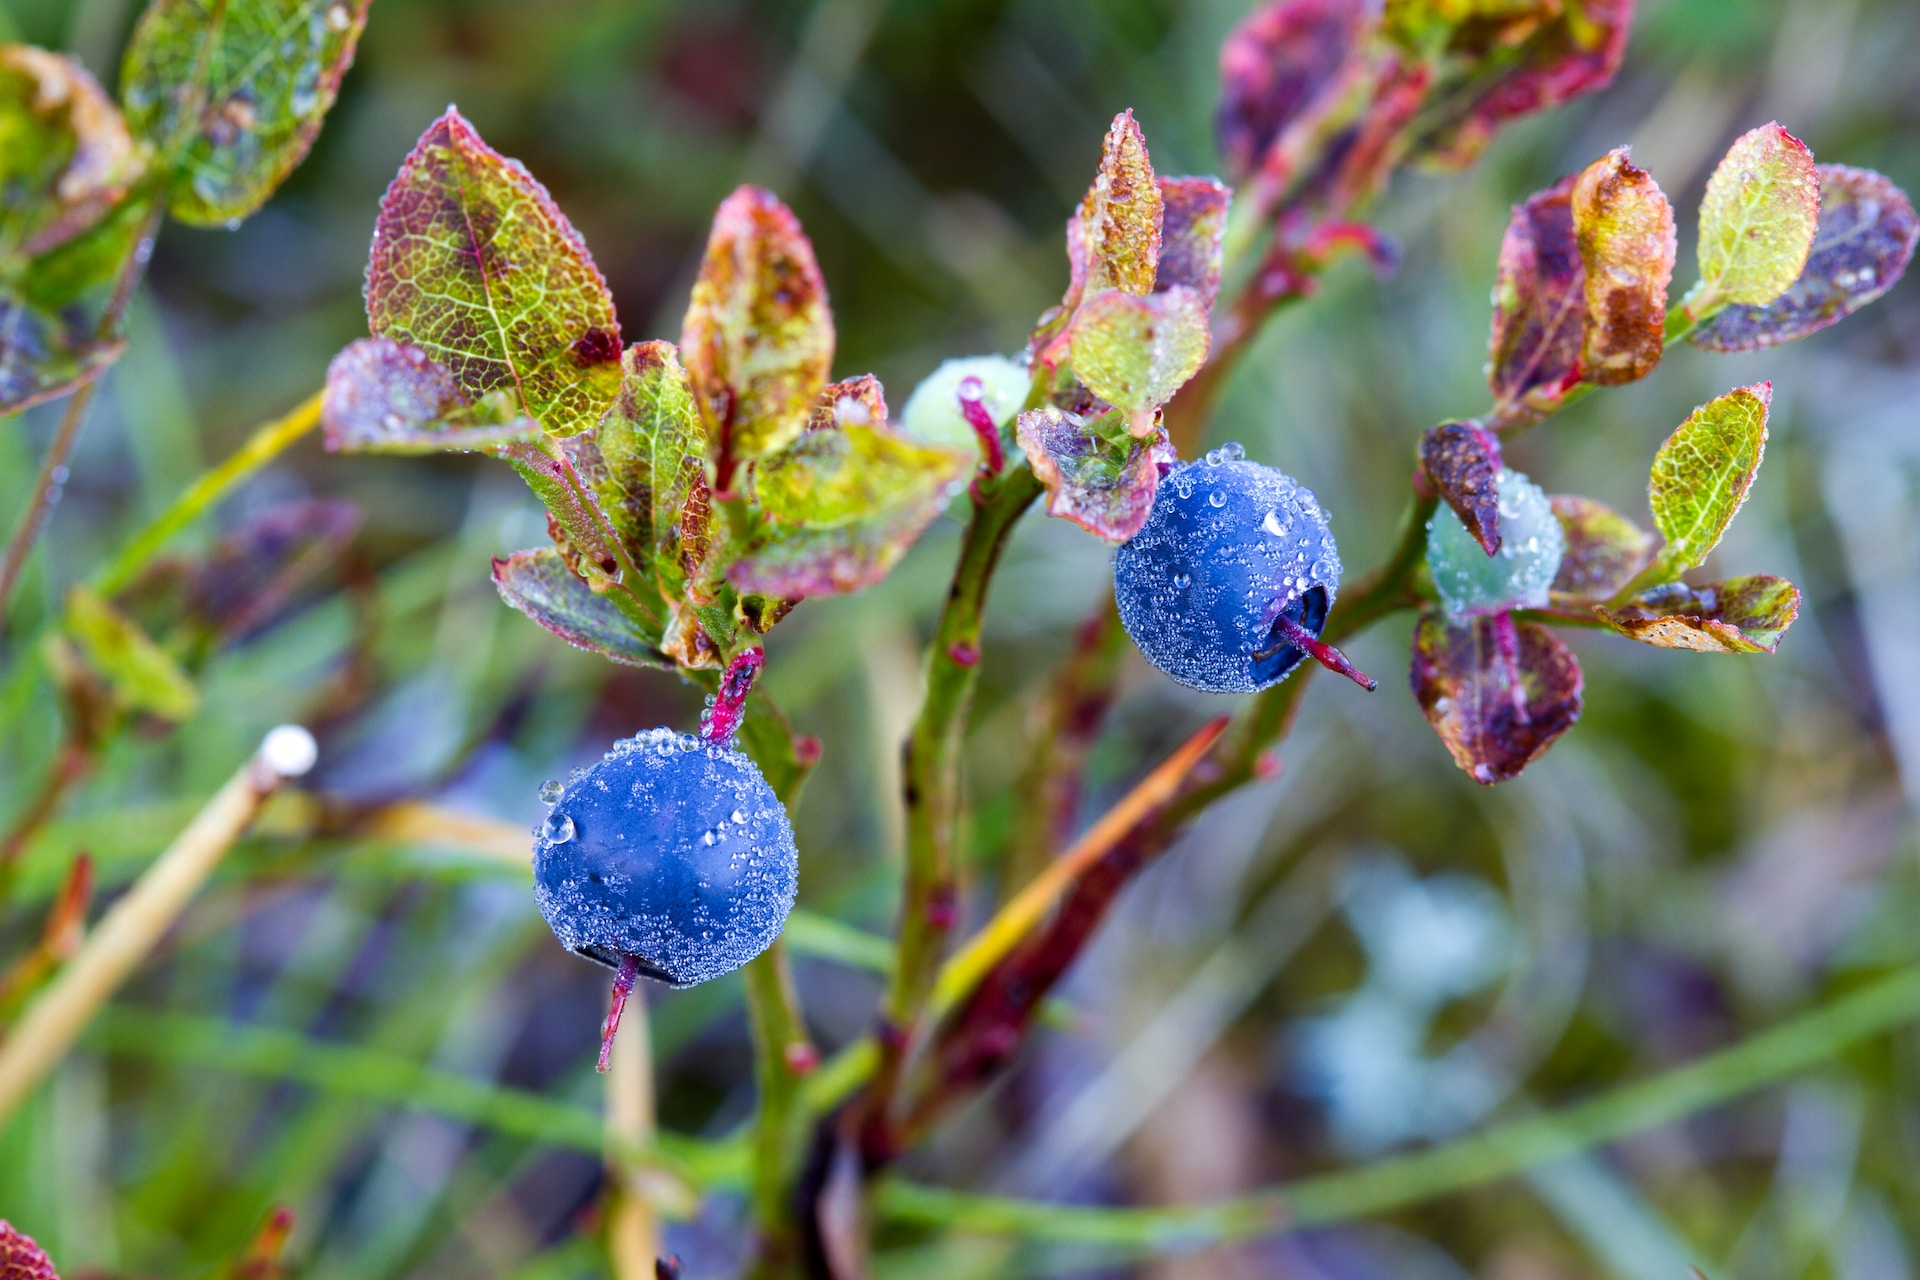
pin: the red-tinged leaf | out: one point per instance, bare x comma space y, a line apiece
1277, 67
1539, 304
262, 564
539, 584
1604, 549
235, 91
1377, 142
1192, 224
843, 503
1702, 473
21, 1258
1462, 462
580, 529
1740, 615
1119, 220
1865, 241
1096, 472
1517, 64
1624, 227
758, 336
1135, 352
1757, 221
650, 477
384, 396
1498, 693
67, 158
475, 264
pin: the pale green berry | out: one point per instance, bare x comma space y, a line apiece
933, 410
1519, 574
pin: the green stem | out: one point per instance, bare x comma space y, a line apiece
782, 1054
1475, 1160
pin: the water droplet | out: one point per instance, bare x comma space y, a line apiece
1181, 581
739, 815
709, 838
1213, 460
1272, 524
558, 828
1217, 498
551, 791
1232, 451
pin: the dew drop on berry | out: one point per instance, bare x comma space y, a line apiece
558, 828
1273, 526
1181, 581
1217, 499
550, 790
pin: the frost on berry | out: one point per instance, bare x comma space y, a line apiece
1230, 550
672, 850
1498, 693
21, 1258
1519, 575
1865, 240
932, 413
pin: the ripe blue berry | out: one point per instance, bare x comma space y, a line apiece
1227, 585
1518, 574
672, 854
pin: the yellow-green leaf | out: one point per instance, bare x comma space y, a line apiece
1702, 473
1757, 222
141, 674
654, 447
1624, 227
1135, 352
1120, 216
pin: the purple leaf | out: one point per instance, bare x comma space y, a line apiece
1739, 615
1276, 68
383, 396
1192, 223
1539, 304
1498, 693
1097, 474
1462, 462
539, 584
1604, 548
261, 565
1866, 238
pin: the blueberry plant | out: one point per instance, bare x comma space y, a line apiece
699, 488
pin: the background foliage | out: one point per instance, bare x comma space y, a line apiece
1367, 951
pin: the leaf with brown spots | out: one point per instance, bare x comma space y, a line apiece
235, 91
1498, 693
539, 584
1739, 615
758, 336
474, 264
651, 482
1462, 462
1757, 221
1702, 473
1120, 216
1097, 473
1624, 227
1604, 549
1866, 239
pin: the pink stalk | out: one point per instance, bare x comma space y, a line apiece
722, 719
993, 458
1324, 654
622, 988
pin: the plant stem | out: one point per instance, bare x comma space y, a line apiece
265, 443
1479, 1158
932, 780
128, 932
633, 1230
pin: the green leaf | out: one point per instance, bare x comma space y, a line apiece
474, 263
1498, 693
140, 673
235, 91
1702, 473
581, 531
1097, 473
1624, 227
1135, 352
66, 157
1757, 222
1739, 615
384, 396
1867, 234
842, 504
1605, 550
539, 584
1118, 224
758, 336
654, 447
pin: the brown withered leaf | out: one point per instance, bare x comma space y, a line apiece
1624, 227
1539, 304
1462, 462
1739, 615
1498, 693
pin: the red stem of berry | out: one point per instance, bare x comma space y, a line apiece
730, 703
1324, 654
622, 988
993, 458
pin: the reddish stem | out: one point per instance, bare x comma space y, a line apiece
1324, 654
622, 988
730, 703
1506, 640
993, 458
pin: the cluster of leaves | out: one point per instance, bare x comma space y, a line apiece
1786, 247
219, 101
695, 493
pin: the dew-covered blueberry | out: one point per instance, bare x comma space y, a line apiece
1518, 574
1228, 584
671, 858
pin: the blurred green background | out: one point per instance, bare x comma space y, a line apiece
1367, 952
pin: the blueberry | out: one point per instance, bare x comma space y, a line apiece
1228, 584
672, 854
1519, 574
